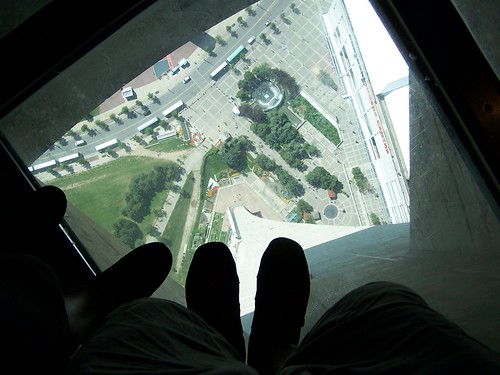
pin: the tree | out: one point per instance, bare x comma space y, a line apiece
234, 153
127, 231
254, 113
375, 220
361, 181
265, 163
240, 20
84, 128
290, 184
124, 111
263, 36
303, 206
262, 72
219, 39
228, 29
319, 177
309, 220
243, 96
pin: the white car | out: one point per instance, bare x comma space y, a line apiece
187, 79
251, 40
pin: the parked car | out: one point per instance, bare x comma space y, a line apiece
187, 79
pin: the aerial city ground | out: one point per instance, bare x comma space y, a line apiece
208, 159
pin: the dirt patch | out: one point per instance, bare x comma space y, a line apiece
86, 182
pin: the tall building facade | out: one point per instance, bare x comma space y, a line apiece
381, 144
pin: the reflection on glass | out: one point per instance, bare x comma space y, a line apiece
272, 121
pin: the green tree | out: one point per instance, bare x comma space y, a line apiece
263, 36
127, 231
319, 177
234, 153
303, 206
124, 111
219, 39
309, 220
228, 29
263, 72
361, 181
291, 185
375, 220
265, 163
254, 113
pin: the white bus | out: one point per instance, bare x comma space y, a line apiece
176, 107
69, 158
219, 70
103, 146
151, 122
46, 165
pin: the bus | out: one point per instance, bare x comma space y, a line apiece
235, 54
219, 70
175, 107
103, 146
70, 158
46, 165
151, 122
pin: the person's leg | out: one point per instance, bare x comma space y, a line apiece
136, 275
385, 327
35, 331
283, 286
156, 336
212, 291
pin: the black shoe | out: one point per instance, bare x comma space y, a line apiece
212, 291
283, 287
136, 275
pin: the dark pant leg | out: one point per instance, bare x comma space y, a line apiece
34, 326
384, 327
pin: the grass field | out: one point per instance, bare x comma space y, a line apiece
212, 165
99, 192
175, 228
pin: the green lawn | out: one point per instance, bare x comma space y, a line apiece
311, 114
99, 192
212, 165
175, 227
